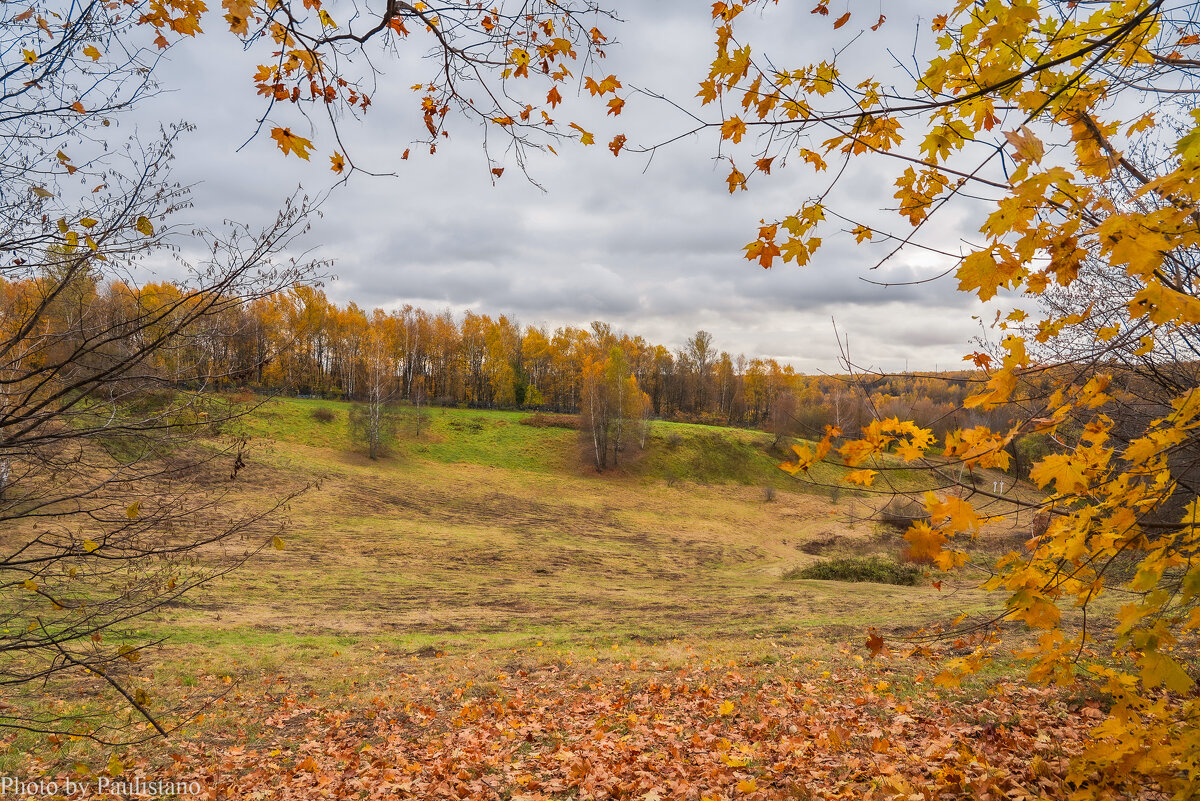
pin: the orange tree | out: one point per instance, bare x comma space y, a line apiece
1074, 127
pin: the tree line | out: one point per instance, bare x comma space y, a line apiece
297, 341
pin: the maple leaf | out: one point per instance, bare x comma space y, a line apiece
615, 105
585, 137
863, 478
1026, 146
764, 165
288, 142
733, 128
1062, 471
736, 180
553, 97
616, 144
337, 162
765, 252
842, 20
874, 643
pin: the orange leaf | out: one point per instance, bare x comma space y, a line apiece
78, 107
842, 20
735, 180
616, 144
584, 136
290, 143
733, 128
764, 165
338, 162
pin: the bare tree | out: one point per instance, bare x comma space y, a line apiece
113, 465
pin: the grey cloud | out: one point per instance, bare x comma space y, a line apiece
653, 245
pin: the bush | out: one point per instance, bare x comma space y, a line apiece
902, 512
768, 493
541, 420
856, 568
322, 415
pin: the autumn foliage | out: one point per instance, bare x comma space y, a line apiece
641, 729
1074, 123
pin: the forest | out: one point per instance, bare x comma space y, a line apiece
299, 343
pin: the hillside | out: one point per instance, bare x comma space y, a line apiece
485, 531
482, 561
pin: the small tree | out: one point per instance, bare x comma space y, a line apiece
595, 412
374, 424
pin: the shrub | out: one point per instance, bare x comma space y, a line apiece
856, 568
902, 512
322, 415
768, 493
540, 420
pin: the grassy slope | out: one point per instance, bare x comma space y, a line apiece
490, 541
487, 532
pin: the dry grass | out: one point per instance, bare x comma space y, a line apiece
485, 538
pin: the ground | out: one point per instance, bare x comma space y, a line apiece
479, 614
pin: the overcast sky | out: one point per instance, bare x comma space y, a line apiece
653, 247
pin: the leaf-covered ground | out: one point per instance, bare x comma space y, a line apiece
699, 729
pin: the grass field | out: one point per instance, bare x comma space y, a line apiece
489, 544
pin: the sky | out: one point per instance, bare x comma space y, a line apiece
652, 246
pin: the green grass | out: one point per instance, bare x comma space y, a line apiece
872, 569
484, 533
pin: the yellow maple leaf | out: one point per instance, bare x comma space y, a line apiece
290, 143
585, 137
1026, 146
862, 477
733, 128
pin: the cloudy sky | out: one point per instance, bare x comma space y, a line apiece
653, 246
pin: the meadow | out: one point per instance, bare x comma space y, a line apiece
484, 551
